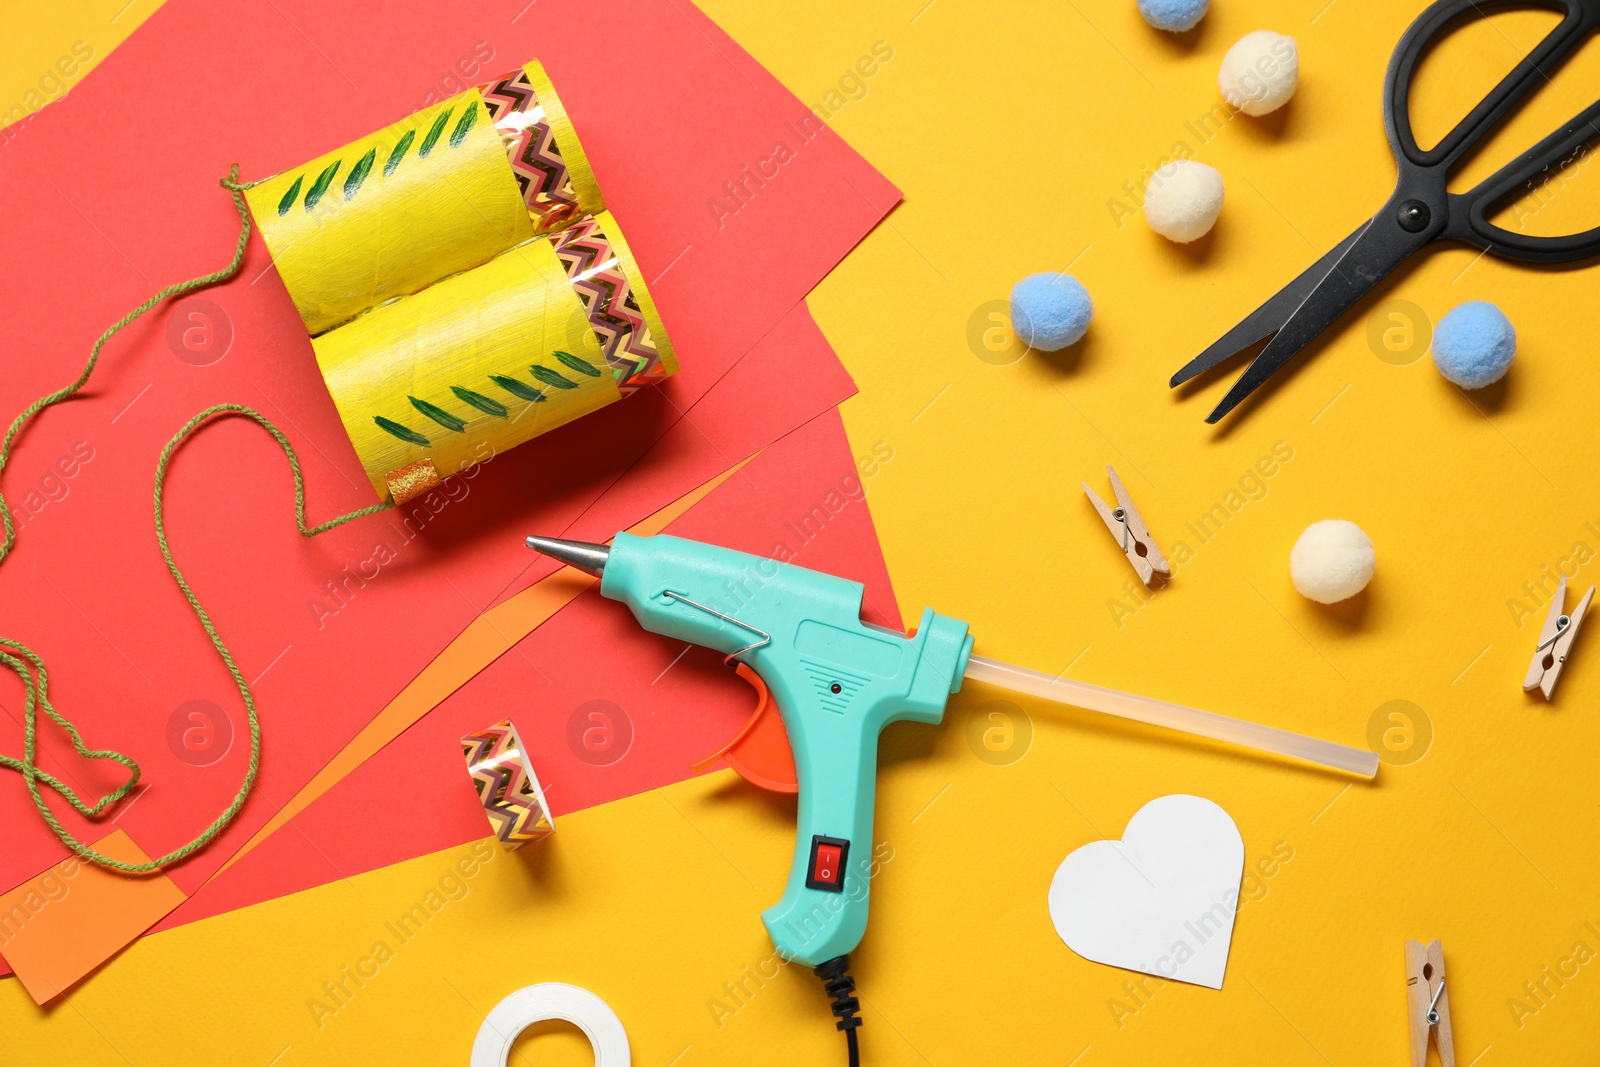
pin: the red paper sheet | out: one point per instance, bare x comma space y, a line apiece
605, 708
100, 213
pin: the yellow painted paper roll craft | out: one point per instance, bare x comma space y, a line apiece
464, 288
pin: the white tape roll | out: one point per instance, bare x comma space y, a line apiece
552, 1000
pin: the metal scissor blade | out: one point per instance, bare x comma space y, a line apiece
1379, 247
1267, 318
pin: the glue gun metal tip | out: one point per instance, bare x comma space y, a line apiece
584, 555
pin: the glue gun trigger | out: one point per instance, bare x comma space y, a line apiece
763, 697
760, 751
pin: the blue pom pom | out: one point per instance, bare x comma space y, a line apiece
1473, 344
1050, 311
1174, 15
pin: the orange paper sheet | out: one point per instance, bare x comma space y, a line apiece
58, 926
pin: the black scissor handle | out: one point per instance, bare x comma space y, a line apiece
1579, 19
1469, 212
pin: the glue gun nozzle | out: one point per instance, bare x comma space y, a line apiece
584, 555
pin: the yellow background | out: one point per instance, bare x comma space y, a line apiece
1011, 128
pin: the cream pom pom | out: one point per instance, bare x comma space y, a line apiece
1259, 74
1332, 561
1183, 199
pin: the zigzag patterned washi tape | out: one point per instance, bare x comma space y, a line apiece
546, 158
507, 786
596, 263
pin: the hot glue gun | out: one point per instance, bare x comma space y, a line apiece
838, 682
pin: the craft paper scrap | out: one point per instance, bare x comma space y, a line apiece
57, 927
1162, 899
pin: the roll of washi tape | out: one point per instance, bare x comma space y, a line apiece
507, 786
545, 1001
463, 285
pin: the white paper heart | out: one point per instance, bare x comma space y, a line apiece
1161, 900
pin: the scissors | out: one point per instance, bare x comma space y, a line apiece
1422, 210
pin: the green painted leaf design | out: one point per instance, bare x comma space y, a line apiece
479, 401
516, 388
582, 366
434, 131
291, 196
399, 152
358, 173
468, 120
405, 433
438, 414
550, 377
320, 186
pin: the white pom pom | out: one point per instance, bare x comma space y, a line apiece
1259, 74
1183, 200
1332, 561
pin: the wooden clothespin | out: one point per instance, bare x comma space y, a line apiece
1130, 532
1555, 640
1428, 1005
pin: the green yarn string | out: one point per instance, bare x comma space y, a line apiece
31, 669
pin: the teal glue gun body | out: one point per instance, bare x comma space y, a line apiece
837, 682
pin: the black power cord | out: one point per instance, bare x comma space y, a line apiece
841, 987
